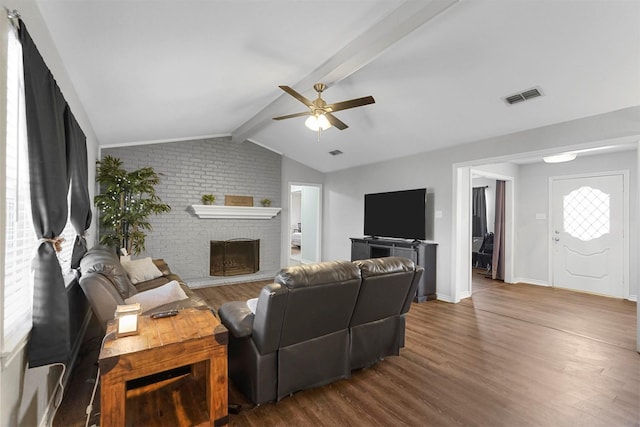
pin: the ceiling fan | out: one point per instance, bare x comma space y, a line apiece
321, 113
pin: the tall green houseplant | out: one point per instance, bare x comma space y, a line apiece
126, 201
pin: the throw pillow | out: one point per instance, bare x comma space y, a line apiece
141, 270
169, 292
252, 304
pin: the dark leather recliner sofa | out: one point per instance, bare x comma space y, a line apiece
317, 323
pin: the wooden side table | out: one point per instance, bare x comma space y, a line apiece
194, 338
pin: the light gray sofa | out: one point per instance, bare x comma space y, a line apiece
106, 284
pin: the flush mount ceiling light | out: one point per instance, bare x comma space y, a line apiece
559, 158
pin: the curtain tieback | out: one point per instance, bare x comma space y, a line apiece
56, 242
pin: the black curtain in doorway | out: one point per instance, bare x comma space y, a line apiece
479, 212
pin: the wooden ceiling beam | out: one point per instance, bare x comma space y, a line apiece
409, 16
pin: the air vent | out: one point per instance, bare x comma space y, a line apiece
335, 152
523, 96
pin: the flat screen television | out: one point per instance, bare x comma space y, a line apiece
397, 214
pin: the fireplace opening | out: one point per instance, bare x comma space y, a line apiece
234, 257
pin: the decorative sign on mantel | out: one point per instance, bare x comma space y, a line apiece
238, 200
234, 212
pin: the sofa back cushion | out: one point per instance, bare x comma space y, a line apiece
320, 301
103, 260
386, 283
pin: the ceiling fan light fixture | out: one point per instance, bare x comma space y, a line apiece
560, 158
317, 122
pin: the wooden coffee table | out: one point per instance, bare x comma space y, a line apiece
195, 339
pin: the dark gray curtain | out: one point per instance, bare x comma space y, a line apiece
77, 170
54, 141
497, 262
479, 212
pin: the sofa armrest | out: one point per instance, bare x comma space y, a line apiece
162, 266
237, 317
102, 296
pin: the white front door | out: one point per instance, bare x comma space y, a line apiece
587, 234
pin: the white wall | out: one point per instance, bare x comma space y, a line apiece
344, 190
26, 394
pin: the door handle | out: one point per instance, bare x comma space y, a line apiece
556, 239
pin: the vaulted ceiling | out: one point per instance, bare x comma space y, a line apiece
438, 70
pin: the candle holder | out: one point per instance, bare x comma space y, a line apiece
127, 318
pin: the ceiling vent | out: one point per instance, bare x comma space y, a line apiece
335, 152
523, 96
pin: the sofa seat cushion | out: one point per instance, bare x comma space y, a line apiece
152, 284
152, 298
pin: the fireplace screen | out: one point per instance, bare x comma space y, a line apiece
234, 257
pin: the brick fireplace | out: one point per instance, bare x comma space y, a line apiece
234, 257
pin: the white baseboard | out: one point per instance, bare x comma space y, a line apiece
465, 294
530, 281
445, 298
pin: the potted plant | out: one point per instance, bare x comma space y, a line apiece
208, 199
126, 202
265, 202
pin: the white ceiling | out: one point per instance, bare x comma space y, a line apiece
171, 70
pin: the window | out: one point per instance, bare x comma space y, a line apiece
586, 213
20, 238
65, 254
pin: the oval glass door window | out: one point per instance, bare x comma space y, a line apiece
586, 213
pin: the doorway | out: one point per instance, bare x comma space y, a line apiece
482, 230
491, 208
588, 229
462, 248
304, 223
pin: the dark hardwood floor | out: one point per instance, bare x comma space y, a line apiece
512, 355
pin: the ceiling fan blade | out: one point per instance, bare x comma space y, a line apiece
297, 96
352, 103
336, 122
290, 116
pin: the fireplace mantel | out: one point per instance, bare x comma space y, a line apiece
234, 212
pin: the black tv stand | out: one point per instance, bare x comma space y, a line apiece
422, 253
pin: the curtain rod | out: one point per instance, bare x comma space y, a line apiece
482, 186
11, 15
